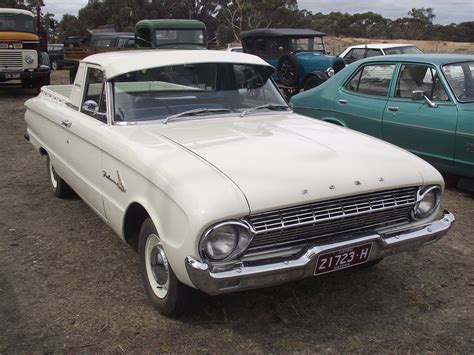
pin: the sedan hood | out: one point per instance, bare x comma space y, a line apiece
280, 160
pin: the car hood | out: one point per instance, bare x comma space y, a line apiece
276, 160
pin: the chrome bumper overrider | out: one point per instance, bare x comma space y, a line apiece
217, 280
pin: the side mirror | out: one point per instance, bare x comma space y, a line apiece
90, 106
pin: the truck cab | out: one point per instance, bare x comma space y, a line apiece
21, 54
171, 34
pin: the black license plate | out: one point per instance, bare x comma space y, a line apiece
12, 76
342, 259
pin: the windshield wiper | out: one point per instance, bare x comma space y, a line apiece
196, 111
267, 106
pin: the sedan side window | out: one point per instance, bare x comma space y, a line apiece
94, 100
356, 53
420, 78
372, 80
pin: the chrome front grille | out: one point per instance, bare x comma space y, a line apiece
349, 215
11, 60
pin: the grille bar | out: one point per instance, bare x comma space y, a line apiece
334, 217
11, 59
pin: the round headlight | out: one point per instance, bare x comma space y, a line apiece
330, 71
225, 240
427, 202
29, 59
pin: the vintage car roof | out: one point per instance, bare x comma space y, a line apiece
16, 11
281, 32
118, 63
436, 59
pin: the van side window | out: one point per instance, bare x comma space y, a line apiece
144, 37
372, 79
94, 102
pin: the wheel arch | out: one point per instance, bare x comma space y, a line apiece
334, 121
133, 219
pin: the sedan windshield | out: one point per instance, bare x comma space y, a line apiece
195, 91
460, 77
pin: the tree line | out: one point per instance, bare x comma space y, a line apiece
226, 19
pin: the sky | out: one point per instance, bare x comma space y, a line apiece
446, 11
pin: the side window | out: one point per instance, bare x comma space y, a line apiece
144, 37
373, 52
121, 42
372, 80
94, 102
261, 46
420, 78
356, 53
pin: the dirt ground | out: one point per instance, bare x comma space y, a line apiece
69, 284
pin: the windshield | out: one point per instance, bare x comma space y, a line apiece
460, 77
403, 50
307, 44
164, 37
196, 90
16, 22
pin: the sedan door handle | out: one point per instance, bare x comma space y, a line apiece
66, 123
393, 108
343, 102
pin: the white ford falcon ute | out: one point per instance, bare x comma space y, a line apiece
196, 160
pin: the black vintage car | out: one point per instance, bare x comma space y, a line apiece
56, 55
299, 56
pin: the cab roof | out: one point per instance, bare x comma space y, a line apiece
171, 24
118, 63
16, 11
281, 32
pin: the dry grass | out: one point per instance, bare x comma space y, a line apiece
337, 44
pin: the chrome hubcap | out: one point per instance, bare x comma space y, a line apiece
157, 267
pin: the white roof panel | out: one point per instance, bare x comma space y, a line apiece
118, 63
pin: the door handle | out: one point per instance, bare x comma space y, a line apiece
343, 102
393, 108
66, 123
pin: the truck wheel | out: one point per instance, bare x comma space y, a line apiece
287, 70
165, 292
312, 82
60, 188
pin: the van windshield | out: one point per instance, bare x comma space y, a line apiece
195, 90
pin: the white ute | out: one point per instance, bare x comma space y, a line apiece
195, 159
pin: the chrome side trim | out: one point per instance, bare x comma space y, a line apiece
244, 276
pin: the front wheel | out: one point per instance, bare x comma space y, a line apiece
165, 292
54, 65
60, 188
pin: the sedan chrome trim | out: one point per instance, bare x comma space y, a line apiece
243, 276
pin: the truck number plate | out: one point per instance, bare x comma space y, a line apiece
12, 75
341, 259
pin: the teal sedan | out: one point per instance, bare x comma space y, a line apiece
423, 103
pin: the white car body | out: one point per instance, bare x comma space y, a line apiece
375, 48
191, 174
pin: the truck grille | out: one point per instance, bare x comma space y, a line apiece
11, 60
354, 214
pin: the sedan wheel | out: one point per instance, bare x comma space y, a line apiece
54, 65
157, 267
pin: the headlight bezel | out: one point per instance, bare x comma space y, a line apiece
421, 194
330, 72
244, 237
29, 59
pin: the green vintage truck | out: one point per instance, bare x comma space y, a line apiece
163, 34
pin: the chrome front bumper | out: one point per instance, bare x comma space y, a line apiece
216, 280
